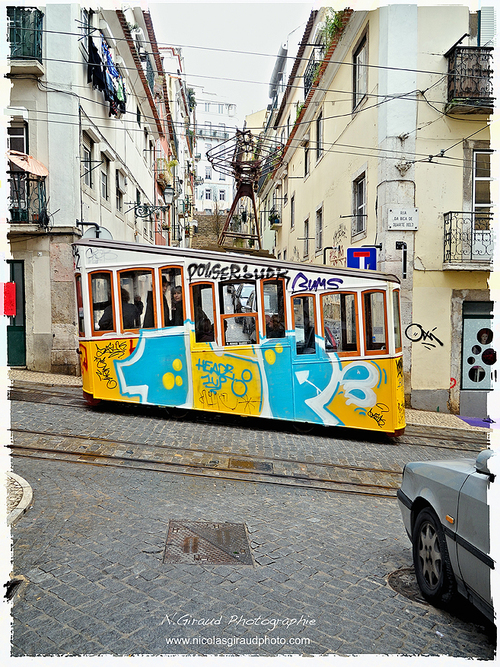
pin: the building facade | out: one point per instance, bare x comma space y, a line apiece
387, 165
92, 147
216, 122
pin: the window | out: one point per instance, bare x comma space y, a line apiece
306, 238
238, 307
360, 73
85, 29
222, 177
204, 312
222, 195
208, 128
104, 177
87, 160
207, 107
340, 323
319, 136
359, 213
274, 307
79, 304
375, 322
284, 254
208, 194
319, 230
304, 324
306, 159
17, 137
102, 302
120, 189
482, 189
221, 108
172, 301
397, 320
135, 286
292, 212
138, 117
208, 173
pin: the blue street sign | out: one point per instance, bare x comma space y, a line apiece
362, 258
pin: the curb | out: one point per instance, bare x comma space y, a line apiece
25, 501
480, 438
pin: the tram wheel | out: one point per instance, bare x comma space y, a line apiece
91, 400
177, 413
303, 427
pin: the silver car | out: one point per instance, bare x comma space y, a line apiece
446, 515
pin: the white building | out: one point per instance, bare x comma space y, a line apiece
216, 122
89, 103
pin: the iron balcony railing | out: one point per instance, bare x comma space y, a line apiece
470, 76
25, 33
312, 68
217, 134
27, 199
468, 237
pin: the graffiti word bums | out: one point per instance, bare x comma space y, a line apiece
234, 272
301, 283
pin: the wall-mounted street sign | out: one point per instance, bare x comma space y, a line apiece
362, 258
403, 218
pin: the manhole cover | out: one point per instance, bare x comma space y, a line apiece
243, 464
204, 542
403, 581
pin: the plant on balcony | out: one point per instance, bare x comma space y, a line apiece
274, 218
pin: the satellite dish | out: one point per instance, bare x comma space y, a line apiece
92, 232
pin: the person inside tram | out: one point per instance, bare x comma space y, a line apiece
149, 320
177, 319
275, 328
130, 314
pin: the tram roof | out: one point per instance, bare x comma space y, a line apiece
231, 254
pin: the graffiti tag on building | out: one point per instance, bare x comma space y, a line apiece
415, 333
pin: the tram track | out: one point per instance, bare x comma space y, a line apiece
196, 460
228, 466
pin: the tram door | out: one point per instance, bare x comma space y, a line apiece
16, 329
479, 356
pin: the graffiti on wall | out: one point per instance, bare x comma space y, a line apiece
416, 333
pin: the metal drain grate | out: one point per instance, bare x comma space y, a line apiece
204, 542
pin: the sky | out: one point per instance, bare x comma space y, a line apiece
249, 36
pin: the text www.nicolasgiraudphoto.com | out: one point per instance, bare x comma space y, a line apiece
237, 641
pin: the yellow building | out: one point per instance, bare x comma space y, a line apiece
384, 122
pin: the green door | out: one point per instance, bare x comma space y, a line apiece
16, 329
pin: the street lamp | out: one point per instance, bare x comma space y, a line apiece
145, 210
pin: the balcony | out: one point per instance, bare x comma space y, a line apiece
27, 200
468, 240
312, 68
470, 80
25, 39
215, 134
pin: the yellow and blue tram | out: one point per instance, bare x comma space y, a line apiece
240, 334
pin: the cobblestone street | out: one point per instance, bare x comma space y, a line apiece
91, 554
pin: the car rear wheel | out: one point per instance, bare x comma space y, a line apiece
431, 560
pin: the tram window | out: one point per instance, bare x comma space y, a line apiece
102, 302
340, 323
134, 288
375, 326
274, 308
172, 303
304, 323
204, 312
397, 320
79, 304
236, 300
